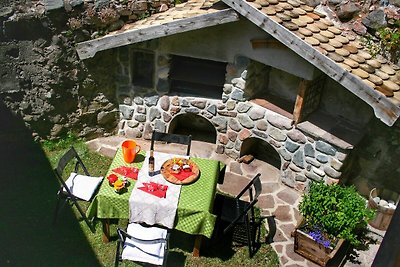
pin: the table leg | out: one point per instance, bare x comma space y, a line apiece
197, 245
106, 230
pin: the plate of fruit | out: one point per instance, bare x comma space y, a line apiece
180, 171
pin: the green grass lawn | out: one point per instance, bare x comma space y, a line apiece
214, 252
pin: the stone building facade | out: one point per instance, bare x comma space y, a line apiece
235, 119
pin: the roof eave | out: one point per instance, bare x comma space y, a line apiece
116, 39
384, 109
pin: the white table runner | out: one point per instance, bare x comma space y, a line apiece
150, 209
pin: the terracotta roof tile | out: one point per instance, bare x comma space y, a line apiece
360, 73
357, 57
276, 19
335, 43
263, 3
387, 69
294, 3
367, 68
374, 63
343, 52
334, 30
321, 25
375, 79
290, 25
313, 28
351, 48
381, 74
292, 14
391, 86
384, 91
342, 39
327, 47
321, 38
312, 41
278, 8
307, 8
336, 57
285, 6
305, 32
284, 17
299, 22
268, 10
344, 66
299, 11
370, 84
327, 22
351, 63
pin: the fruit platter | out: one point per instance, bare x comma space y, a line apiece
180, 171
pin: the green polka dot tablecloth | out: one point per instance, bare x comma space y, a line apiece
195, 203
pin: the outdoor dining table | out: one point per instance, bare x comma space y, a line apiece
194, 211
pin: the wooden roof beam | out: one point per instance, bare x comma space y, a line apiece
89, 48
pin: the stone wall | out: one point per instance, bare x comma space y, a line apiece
235, 119
41, 78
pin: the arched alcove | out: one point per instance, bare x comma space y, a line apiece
197, 126
261, 150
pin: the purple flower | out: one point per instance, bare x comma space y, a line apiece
326, 243
319, 238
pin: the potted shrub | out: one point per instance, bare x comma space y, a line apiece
332, 215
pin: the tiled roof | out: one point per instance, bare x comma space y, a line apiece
342, 47
338, 53
191, 15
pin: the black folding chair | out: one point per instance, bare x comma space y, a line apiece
76, 187
171, 138
143, 244
240, 216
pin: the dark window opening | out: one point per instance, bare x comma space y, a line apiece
143, 68
198, 77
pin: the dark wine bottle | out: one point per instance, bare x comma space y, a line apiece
151, 163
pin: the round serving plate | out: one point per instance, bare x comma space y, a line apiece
166, 171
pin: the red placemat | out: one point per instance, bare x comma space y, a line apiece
130, 172
155, 189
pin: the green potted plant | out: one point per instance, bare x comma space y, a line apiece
332, 215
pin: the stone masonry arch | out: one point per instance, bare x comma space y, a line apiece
261, 150
200, 128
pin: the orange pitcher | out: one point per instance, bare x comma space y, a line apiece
130, 150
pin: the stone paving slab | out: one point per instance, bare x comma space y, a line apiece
276, 199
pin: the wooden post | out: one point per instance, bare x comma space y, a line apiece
298, 106
106, 230
197, 245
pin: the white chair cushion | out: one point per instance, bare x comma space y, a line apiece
142, 251
83, 186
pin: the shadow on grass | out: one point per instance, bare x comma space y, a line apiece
28, 193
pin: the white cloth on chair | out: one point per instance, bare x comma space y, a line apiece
82, 186
150, 252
